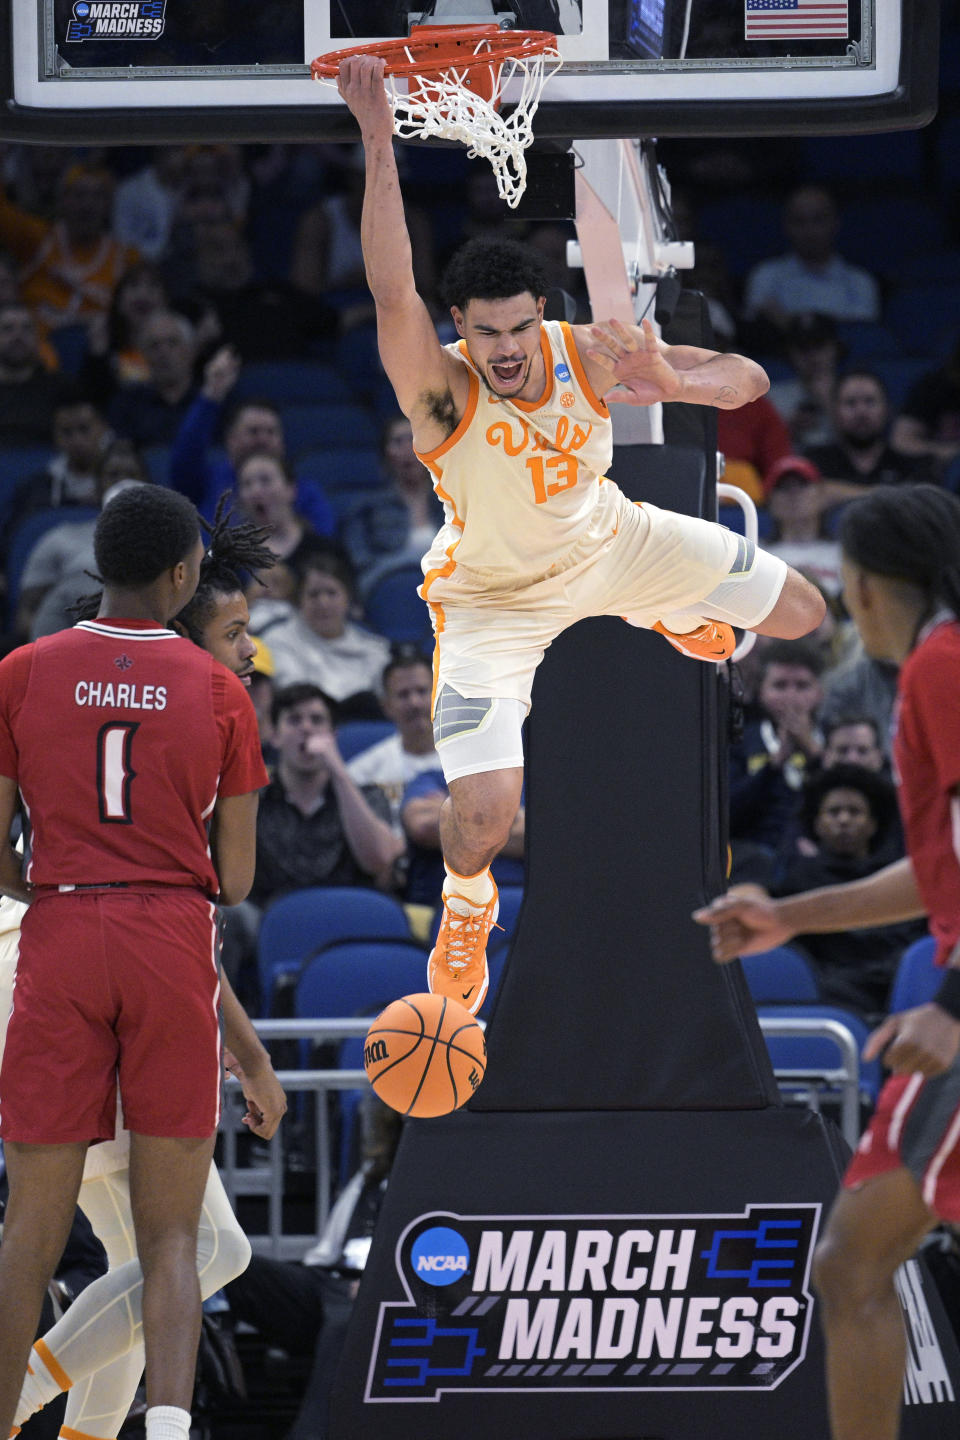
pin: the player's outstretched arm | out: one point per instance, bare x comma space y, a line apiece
648, 370
744, 922
409, 347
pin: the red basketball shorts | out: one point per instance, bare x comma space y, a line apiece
113, 985
917, 1125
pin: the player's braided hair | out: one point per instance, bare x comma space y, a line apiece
492, 270
141, 533
235, 551
909, 533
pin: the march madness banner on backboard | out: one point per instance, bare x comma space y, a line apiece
574, 1303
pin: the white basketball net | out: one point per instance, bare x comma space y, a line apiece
441, 107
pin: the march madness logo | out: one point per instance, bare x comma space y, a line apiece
652, 1302
132, 20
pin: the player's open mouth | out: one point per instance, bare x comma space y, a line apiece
508, 371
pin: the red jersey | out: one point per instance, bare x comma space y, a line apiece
926, 753
121, 736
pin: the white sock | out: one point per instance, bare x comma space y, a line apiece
478, 889
166, 1422
39, 1388
681, 622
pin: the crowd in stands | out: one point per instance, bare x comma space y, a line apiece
197, 316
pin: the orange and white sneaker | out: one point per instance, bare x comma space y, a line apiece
457, 966
713, 641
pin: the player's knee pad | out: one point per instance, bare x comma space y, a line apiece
223, 1251
475, 734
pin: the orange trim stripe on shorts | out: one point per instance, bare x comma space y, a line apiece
67, 1434
56, 1370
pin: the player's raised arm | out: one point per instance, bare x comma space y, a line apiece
649, 370
414, 359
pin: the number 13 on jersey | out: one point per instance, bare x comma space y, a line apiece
544, 469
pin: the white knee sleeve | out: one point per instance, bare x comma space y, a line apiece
477, 734
105, 1322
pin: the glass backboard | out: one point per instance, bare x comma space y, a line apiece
239, 69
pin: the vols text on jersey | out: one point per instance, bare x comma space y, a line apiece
623, 1302
552, 465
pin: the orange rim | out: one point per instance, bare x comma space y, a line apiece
435, 47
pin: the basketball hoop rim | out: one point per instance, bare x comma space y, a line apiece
441, 52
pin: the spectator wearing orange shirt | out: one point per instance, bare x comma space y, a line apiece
69, 266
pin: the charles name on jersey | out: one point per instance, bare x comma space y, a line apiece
120, 695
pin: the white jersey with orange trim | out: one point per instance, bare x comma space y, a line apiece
521, 481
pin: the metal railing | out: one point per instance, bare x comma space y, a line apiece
269, 1180
842, 1079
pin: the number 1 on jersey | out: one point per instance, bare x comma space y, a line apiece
115, 771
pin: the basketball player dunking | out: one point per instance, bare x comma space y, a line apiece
512, 422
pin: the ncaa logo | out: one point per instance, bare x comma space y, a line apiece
440, 1256
561, 372
81, 10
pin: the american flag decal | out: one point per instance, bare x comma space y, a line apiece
796, 20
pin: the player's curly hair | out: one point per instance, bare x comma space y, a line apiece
492, 270
141, 533
909, 533
234, 552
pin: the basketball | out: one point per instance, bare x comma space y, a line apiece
425, 1055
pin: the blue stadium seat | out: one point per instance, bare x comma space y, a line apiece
867, 340
781, 975
919, 315
917, 979
16, 463
295, 382
393, 608
26, 535
71, 343
359, 977
936, 267
746, 228
341, 468
820, 1054
358, 735
157, 460
297, 924
349, 978
900, 376
891, 156
309, 426
866, 227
